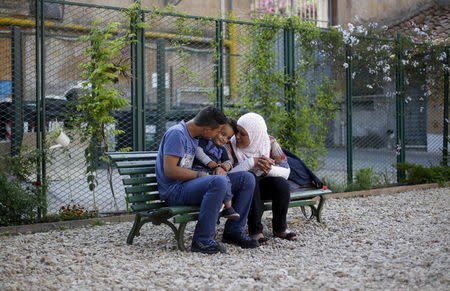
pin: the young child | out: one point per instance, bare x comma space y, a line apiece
211, 154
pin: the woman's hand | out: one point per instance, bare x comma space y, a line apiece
264, 164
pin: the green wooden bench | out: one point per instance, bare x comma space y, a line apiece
142, 196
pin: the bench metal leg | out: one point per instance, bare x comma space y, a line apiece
179, 234
180, 238
135, 229
316, 211
304, 212
319, 209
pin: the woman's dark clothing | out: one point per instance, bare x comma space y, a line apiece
275, 189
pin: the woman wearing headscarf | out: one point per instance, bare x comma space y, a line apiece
252, 149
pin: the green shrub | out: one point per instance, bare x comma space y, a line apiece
365, 179
417, 174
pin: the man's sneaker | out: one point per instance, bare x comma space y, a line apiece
239, 239
207, 247
230, 213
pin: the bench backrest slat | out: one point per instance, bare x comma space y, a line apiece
143, 198
136, 164
136, 171
139, 180
141, 187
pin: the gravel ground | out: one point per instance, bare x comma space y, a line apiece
398, 241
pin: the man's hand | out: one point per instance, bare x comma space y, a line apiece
212, 165
219, 171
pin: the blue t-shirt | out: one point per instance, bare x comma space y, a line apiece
176, 142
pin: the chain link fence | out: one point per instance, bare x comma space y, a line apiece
192, 62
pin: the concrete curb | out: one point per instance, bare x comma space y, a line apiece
381, 191
47, 226
42, 227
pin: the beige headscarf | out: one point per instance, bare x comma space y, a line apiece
256, 128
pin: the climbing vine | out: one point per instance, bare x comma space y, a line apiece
108, 61
295, 114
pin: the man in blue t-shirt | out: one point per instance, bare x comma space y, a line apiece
180, 185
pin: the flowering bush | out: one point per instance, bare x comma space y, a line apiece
71, 212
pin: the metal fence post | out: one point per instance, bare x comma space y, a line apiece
349, 93
218, 80
17, 86
289, 67
40, 102
400, 109
161, 89
138, 87
445, 138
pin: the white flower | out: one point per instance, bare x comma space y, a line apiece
387, 79
373, 25
415, 64
351, 27
361, 29
369, 86
442, 56
372, 71
369, 48
392, 56
386, 68
405, 62
353, 75
345, 65
425, 27
384, 27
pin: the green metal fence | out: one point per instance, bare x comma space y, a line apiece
183, 63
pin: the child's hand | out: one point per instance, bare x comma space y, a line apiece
212, 165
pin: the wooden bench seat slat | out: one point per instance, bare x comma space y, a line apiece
143, 198
138, 207
268, 206
185, 218
134, 171
174, 210
139, 180
135, 164
309, 194
141, 189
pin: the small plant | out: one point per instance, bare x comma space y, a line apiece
72, 212
365, 179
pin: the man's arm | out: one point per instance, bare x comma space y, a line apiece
172, 170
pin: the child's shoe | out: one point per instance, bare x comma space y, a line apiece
230, 213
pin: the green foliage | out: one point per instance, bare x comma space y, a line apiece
294, 114
108, 61
365, 179
417, 174
21, 196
